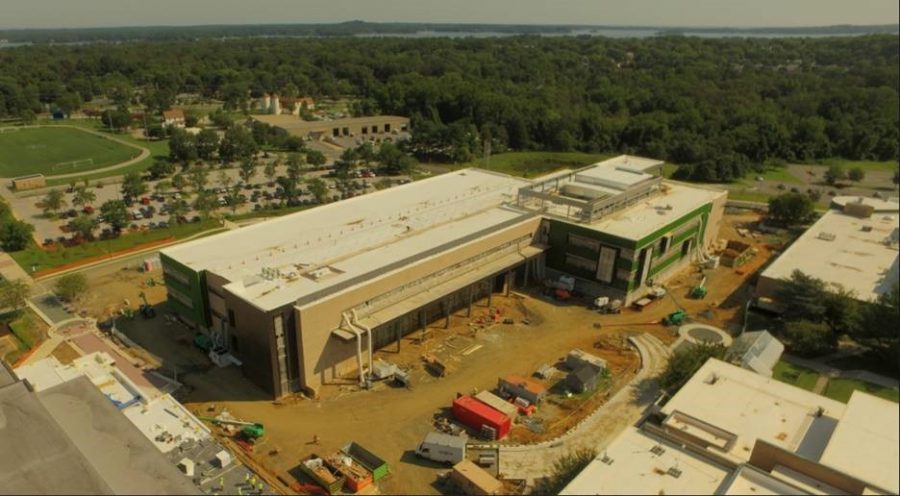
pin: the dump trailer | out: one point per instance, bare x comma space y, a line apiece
321, 472
442, 448
366, 458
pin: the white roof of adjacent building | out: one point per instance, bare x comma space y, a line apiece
878, 204
654, 213
632, 163
752, 406
859, 254
280, 261
866, 442
632, 468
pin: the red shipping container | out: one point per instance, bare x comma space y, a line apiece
476, 414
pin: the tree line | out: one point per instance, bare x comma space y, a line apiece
720, 107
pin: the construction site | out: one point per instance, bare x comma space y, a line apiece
520, 353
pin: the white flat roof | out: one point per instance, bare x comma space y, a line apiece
613, 177
631, 162
351, 238
866, 442
753, 406
647, 216
860, 261
634, 469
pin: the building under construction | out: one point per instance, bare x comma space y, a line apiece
304, 300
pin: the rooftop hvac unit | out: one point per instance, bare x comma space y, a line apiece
824, 236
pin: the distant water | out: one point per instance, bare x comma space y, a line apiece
608, 33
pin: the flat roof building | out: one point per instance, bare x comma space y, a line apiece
362, 273
71, 439
357, 127
854, 246
729, 430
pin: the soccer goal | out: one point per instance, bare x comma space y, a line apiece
73, 165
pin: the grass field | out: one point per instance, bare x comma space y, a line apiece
533, 164
39, 150
794, 375
866, 165
841, 389
34, 257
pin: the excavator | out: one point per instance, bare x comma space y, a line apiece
147, 310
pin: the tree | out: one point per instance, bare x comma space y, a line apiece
207, 143
162, 187
15, 235
565, 469
316, 158
856, 174
179, 182
248, 170
53, 202
133, 185
83, 225
178, 209
687, 361
237, 144
83, 196
182, 146
791, 209
198, 178
69, 103
115, 213
70, 286
116, 119
221, 119
835, 174
205, 203
394, 161
269, 172
809, 339
318, 189
878, 325
13, 294
161, 167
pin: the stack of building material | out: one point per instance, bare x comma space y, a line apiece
472, 479
579, 358
497, 403
367, 459
356, 475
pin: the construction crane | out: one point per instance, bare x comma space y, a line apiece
251, 430
699, 291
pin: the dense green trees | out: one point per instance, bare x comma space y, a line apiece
791, 209
685, 362
718, 106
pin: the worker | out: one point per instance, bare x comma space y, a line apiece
247, 477
261, 486
240, 491
315, 439
221, 483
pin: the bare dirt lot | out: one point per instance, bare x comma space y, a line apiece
391, 421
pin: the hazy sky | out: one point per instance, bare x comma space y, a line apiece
88, 13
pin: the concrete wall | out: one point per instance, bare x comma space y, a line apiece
325, 358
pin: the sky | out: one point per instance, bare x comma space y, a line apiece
685, 13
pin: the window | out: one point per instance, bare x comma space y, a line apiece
180, 297
584, 242
231, 317
581, 263
606, 264
374, 129
365, 130
177, 275
387, 128
665, 243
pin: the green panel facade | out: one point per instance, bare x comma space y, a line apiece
186, 290
561, 249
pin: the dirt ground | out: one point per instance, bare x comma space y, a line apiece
111, 288
391, 421
65, 353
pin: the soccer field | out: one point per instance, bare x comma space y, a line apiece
52, 150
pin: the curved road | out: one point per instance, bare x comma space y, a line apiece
625, 408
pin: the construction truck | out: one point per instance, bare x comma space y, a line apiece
675, 318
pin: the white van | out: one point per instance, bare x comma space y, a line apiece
442, 448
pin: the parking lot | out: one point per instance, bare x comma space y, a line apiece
152, 210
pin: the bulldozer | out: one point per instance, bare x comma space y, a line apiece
675, 318
699, 291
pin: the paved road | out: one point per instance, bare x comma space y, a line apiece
625, 408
